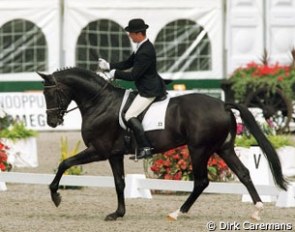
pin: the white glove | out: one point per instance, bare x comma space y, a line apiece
112, 73
108, 76
103, 64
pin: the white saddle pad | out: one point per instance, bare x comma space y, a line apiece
154, 119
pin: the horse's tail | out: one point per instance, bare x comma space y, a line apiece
263, 142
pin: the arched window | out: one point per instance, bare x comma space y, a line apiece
183, 45
102, 39
23, 47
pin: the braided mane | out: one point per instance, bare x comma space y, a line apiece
82, 73
66, 70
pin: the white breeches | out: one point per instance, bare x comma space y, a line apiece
138, 105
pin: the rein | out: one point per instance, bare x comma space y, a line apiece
68, 111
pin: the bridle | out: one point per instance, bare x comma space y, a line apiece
61, 108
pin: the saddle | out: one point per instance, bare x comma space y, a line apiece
152, 118
145, 117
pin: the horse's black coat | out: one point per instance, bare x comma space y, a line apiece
205, 124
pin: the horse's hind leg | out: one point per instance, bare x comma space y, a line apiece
237, 167
200, 173
117, 166
86, 156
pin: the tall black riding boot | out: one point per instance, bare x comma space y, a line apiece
144, 147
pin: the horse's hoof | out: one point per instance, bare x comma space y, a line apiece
112, 217
171, 218
56, 198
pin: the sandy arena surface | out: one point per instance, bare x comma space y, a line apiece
28, 208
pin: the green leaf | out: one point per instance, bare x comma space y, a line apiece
276, 140
17, 131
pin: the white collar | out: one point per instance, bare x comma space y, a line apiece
139, 44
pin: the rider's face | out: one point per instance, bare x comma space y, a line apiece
136, 37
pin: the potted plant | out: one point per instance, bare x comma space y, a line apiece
257, 75
281, 142
17, 131
278, 141
5, 119
21, 140
175, 164
264, 85
5, 164
244, 139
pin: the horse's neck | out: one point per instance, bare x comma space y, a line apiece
97, 97
90, 91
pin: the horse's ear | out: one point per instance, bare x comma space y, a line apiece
44, 76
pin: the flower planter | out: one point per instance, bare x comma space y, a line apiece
22, 152
287, 157
2, 185
175, 164
270, 87
254, 159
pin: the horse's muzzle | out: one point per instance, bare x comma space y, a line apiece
55, 117
54, 122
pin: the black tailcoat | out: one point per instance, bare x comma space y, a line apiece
144, 71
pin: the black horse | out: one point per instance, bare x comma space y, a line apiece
205, 124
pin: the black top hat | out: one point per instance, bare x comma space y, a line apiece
136, 25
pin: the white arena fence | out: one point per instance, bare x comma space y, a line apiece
137, 186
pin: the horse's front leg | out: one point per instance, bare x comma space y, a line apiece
117, 166
86, 156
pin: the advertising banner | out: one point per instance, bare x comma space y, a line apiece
30, 108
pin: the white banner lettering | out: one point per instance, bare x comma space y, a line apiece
30, 108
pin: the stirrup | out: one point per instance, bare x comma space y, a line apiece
142, 153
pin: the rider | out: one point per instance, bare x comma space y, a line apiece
147, 81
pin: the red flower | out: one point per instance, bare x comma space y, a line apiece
176, 157
185, 154
2, 167
168, 170
177, 176
240, 128
280, 78
169, 153
168, 177
175, 164
155, 169
166, 163
3, 156
2, 146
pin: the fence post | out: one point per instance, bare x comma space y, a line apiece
2, 185
287, 198
132, 189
